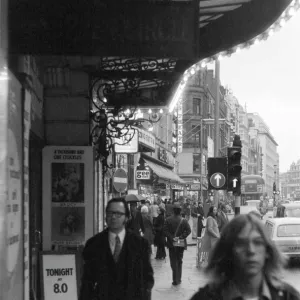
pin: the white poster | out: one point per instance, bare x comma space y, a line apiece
26, 220
59, 276
68, 196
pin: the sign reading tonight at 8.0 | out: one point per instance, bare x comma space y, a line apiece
59, 276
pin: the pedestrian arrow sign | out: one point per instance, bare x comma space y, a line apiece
235, 180
217, 173
217, 180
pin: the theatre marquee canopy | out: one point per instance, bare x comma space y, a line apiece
155, 41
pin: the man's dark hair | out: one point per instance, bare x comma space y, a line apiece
176, 211
122, 200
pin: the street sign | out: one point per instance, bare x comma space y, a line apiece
217, 180
143, 174
217, 173
120, 180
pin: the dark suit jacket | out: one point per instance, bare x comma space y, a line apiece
170, 227
130, 279
222, 221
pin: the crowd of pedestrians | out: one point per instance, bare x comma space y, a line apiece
239, 258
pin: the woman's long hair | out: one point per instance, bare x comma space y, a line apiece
211, 212
220, 263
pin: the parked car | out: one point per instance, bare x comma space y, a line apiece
287, 210
285, 233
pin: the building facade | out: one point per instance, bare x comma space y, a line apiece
269, 154
290, 182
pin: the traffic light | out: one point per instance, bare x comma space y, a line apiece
274, 188
234, 170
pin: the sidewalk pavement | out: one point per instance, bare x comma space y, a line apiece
192, 277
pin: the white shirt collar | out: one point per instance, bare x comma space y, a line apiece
121, 234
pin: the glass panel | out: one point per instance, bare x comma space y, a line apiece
293, 212
288, 230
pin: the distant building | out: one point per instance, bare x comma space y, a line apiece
270, 157
290, 182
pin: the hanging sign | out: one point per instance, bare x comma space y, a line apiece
59, 271
143, 174
127, 143
179, 126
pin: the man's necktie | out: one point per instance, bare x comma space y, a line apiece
117, 249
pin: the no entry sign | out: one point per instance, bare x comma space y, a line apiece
120, 180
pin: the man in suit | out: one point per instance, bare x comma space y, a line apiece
222, 218
175, 228
116, 261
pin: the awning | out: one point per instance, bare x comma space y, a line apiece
163, 172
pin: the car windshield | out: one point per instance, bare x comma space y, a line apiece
288, 230
292, 212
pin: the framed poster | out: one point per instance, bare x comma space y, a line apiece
68, 196
59, 275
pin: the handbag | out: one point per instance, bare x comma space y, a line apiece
179, 242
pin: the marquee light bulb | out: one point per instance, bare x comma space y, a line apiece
161, 111
150, 111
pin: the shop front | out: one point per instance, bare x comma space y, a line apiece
155, 179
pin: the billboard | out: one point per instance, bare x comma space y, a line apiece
68, 196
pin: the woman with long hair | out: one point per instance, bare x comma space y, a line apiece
245, 264
211, 234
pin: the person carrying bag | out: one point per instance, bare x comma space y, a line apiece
176, 229
177, 242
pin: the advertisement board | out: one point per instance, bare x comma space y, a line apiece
14, 209
59, 271
68, 200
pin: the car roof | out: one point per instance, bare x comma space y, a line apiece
291, 205
287, 220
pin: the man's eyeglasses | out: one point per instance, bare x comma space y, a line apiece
115, 213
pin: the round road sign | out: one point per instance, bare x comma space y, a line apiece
217, 180
120, 180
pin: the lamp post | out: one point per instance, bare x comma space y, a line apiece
201, 151
274, 186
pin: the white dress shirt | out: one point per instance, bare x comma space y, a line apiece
112, 239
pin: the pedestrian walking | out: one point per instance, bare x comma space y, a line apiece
169, 209
222, 217
135, 222
116, 261
245, 264
154, 211
200, 225
211, 235
148, 233
186, 209
176, 229
160, 239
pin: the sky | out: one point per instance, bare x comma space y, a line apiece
266, 78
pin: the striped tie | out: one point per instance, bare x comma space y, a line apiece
117, 249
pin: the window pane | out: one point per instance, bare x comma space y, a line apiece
288, 230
